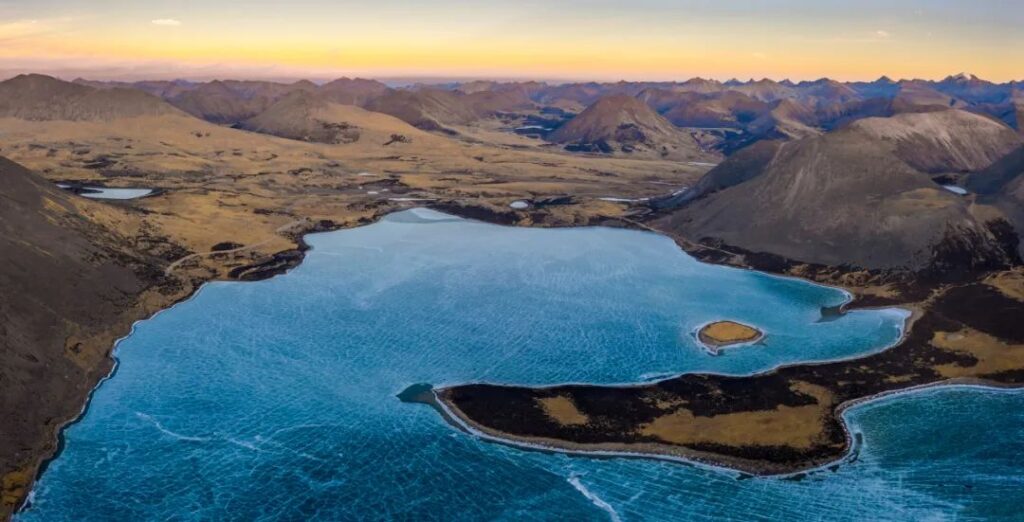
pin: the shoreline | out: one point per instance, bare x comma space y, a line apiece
61, 440
457, 420
44, 461
915, 303
746, 458
259, 272
453, 414
706, 460
455, 208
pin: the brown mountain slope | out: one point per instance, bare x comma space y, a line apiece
310, 117
916, 96
573, 96
999, 176
488, 103
767, 90
302, 116
784, 119
1010, 113
700, 85
481, 86
825, 92
838, 115
43, 98
1002, 184
215, 102
852, 197
621, 123
943, 141
234, 101
664, 100
427, 109
66, 279
787, 119
352, 91
691, 109
972, 89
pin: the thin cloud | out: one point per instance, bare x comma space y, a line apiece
25, 32
882, 34
167, 22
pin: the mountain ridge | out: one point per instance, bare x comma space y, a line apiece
623, 123
860, 196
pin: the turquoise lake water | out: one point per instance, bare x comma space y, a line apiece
276, 400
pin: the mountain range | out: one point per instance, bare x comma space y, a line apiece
697, 102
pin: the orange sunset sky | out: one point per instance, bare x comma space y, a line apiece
602, 40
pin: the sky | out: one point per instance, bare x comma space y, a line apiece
506, 39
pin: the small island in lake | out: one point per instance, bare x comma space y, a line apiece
720, 334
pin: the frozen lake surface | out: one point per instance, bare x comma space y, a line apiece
276, 400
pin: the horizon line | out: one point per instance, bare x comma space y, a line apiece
440, 79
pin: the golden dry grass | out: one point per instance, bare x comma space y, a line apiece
14, 487
795, 426
1010, 283
992, 354
562, 410
721, 333
222, 184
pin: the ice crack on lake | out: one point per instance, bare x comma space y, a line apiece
596, 500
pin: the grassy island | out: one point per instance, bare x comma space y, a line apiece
720, 334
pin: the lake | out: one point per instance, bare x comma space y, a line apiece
107, 192
276, 400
